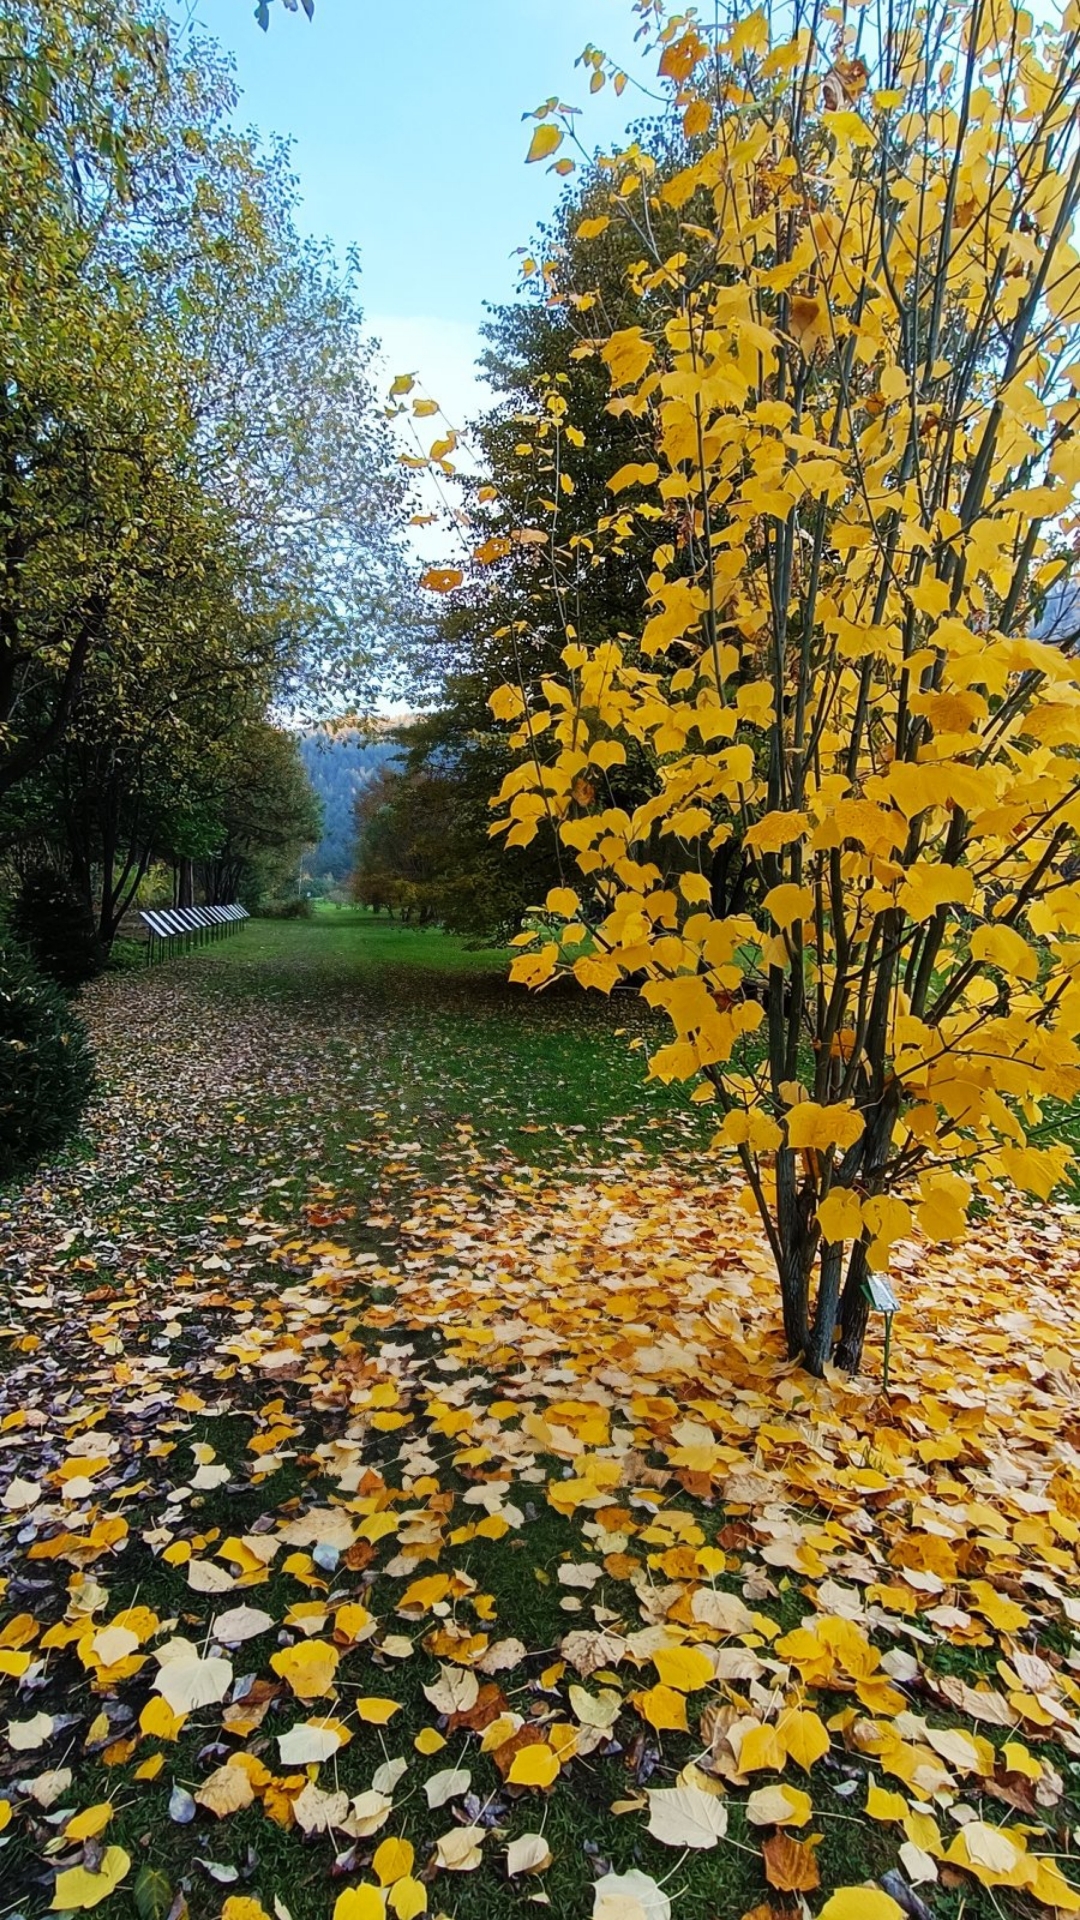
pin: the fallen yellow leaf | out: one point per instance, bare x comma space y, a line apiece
78, 1888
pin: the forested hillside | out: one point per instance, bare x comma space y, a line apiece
340, 766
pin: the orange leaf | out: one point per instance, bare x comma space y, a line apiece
790, 1865
662, 1707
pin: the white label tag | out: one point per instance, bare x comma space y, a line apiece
881, 1294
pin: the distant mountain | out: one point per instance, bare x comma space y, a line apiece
340, 766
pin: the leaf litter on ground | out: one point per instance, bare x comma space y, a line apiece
758, 1605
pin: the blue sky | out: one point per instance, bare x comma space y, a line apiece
409, 144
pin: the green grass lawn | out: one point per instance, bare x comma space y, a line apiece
554, 1078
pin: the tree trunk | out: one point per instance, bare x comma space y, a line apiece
854, 1311
108, 865
798, 1243
124, 893
821, 1339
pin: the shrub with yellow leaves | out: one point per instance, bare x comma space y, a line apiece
852, 888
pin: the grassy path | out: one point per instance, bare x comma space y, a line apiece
311, 1055
394, 1378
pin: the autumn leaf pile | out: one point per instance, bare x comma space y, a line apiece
776, 1608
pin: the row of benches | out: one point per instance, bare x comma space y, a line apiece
171, 929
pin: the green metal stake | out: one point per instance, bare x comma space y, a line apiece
883, 1300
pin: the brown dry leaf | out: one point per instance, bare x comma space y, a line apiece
687, 1816
979, 1703
504, 1755
790, 1865
455, 1691
490, 1702
529, 1853
319, 1812
588, 1651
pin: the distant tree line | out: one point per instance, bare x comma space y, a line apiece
342, 766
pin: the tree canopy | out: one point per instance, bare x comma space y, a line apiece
852, 890
186, 417
201, 511
548, 445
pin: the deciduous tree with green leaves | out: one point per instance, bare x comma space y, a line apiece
167, 333
267, 813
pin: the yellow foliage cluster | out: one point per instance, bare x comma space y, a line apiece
857, 382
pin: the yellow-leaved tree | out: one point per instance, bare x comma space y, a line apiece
852, 884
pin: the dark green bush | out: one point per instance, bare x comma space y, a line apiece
300, 909
56, 927
126, 956
46, 1067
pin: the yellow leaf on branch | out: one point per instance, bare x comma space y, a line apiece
546, 140
840, 1215
788, 903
